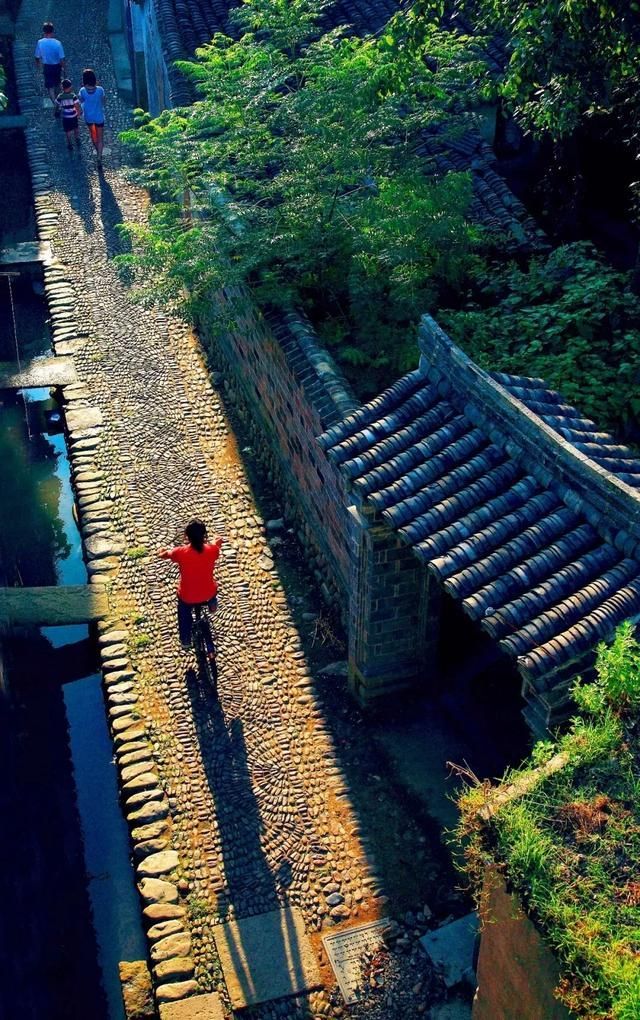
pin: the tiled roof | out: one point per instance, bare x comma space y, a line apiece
326, 388
448, 147
547, 573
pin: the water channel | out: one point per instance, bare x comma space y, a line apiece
70, 911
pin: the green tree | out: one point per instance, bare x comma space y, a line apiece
295, 174
568, 59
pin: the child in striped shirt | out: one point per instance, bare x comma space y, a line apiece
69, 105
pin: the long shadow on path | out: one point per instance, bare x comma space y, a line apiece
111, 216
251, 887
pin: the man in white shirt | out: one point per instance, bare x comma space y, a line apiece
50, 54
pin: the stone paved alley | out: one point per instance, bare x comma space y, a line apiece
249, 793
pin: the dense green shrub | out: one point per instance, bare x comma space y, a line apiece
568, 318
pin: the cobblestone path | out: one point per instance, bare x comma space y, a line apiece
247, 793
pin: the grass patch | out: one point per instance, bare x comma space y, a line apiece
198, 908
137, 552
140, 641
571, 845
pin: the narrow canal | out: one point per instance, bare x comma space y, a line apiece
70, 911
73, 908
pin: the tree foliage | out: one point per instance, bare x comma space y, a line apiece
299, 168
568, 59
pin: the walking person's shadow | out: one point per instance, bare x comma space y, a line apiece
250, 885
116, 242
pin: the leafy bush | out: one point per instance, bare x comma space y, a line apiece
568, 318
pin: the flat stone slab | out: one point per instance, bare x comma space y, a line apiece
24, 252
83, 418
198, 1007
137, 990
345, 950
48, 606
266, 957
41, 372
10, 122
451, 949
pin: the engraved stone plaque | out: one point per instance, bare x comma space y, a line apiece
345, 950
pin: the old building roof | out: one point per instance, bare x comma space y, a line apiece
524, 510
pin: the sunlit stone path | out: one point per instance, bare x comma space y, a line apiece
247, 793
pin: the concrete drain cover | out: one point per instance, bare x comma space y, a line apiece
266, 957
345, 950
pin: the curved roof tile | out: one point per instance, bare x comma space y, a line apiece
464, 466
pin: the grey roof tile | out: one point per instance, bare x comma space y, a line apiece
544, 570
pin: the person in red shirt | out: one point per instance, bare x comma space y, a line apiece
196, 560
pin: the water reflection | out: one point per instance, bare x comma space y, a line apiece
70, 909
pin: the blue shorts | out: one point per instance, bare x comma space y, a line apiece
52, 75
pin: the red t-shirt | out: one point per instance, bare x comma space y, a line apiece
197, 583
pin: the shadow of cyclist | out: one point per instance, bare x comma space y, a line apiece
250, 886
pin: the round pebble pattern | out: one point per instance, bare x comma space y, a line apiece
245, 795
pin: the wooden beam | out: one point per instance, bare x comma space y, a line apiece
63, 604
53, 371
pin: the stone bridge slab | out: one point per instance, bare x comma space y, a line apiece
41, 372
49, 606
266, 957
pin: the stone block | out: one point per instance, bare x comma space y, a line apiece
197, 1007
451, 948
176, 991
266, 957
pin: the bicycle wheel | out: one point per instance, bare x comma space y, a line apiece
209, 665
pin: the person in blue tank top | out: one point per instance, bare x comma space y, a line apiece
91, 98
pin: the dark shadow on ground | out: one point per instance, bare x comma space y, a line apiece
249, 882
75, 183
111, 216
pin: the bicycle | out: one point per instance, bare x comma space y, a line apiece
204, 645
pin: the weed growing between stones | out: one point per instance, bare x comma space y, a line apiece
137, 552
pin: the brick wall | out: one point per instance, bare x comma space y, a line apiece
609, 504
517, 972
290, 391
394, 611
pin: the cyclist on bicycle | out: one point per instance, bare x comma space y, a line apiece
196, 560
